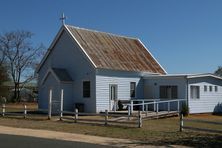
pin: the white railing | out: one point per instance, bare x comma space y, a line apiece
154, 102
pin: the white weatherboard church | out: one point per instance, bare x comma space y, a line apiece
95, 69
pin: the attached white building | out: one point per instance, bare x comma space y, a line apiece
95, 69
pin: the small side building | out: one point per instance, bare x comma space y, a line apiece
203, 92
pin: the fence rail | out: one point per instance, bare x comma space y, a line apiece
107, 118
76, 116
182, 126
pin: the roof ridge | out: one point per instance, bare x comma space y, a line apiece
92, 30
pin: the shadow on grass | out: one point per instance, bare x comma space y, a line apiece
200, 140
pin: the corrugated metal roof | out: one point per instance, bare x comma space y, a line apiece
108, 51
62, 74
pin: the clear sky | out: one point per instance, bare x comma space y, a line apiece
185, 36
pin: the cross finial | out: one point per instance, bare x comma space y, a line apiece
63, 18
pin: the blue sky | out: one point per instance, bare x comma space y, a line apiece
185, 36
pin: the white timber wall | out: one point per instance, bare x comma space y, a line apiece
208, 100
122, 79
68, 55
152, 86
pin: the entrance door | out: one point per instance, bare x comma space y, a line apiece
113, 97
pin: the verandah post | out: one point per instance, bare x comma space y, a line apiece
178, 105
61, 104
128, 112
143, 106
50, 105
168, 104
131, 107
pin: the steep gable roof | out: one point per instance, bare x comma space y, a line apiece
109, 51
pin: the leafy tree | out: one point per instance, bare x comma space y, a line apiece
218, 72
20, 57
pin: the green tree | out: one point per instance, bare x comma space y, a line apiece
218, 72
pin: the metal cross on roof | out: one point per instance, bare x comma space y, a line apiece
63, 18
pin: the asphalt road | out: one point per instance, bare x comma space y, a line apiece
12, 141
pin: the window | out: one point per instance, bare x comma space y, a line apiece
216, 88
210, 88
195, 92
205, 88
86, 89
132, 89
168, 92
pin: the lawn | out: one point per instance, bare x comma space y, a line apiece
155, 132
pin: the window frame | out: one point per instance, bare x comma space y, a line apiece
205, 88
192, 91
132, 94
163, 91
86, 89
216, 88
210, 88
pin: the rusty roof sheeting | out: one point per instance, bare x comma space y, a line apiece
115, 52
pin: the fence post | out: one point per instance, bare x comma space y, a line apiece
3, 110
50, 105
181, 122
128, 112
76, 115
131, 107
168, 107
106, 117
139, 119
61, 105
25, 111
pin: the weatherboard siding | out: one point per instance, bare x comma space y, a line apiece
68, 55
208, 100
122, 80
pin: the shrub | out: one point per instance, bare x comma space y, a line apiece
185, 109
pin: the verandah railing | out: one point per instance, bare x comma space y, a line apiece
144, 104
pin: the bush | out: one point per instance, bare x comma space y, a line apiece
218, 109
120, 105
185, 109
